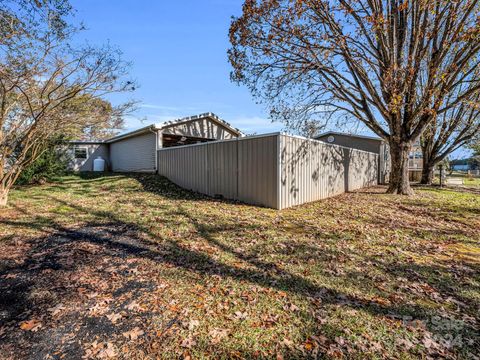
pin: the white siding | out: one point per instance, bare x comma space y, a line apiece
134, 154
93, 151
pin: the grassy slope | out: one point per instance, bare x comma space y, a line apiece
360, 275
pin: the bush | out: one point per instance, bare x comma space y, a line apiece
49, 165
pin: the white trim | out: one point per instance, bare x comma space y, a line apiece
279, 172
268, 135
131, 134
350, 135
210, 116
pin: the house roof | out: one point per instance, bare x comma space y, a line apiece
350, 135
167, 124
81, 142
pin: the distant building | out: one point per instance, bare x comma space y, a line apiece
464, 165
416, 157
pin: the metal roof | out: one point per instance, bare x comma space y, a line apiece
172, 123
346, 134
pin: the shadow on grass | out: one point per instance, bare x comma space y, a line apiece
123, 239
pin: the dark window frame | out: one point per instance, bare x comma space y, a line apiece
80, 152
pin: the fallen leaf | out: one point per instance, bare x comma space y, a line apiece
308, 345
217, 335
188, 343
114, 317
134, 306
30, 325
133, 334
108, 352
193, 324
241, 316
57, 309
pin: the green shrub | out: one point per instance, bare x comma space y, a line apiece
49, 165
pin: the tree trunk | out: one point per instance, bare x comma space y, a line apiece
427, 173
399, 181
428, 164
3, 197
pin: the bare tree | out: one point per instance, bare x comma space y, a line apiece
46, 84
448, 132
389, 63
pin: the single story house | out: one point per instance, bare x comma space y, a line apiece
206, 154
136, 151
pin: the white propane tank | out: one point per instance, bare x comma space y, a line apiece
99, 164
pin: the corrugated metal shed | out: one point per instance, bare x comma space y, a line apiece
273, 170
242, 169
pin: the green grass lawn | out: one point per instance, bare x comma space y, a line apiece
471, 181
132, 267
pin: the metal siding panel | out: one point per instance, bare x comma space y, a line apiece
242, 169
312, 170
135, 154
275, 171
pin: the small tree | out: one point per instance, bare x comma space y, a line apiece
390, 64
475, 146
47, 85
47, 166
447, 133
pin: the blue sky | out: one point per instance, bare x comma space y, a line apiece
179, 55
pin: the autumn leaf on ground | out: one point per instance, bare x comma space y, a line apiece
10, 276
188, 343
193, 324
133, 334
107, 352
134, 306
30, 325
57, 309
217, 335
241, 316
114, 317
308, 345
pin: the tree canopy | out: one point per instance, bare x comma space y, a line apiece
391, 64
50, 87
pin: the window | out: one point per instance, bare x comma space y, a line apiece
80, 152
331, 139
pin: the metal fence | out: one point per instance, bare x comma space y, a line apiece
275, 170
